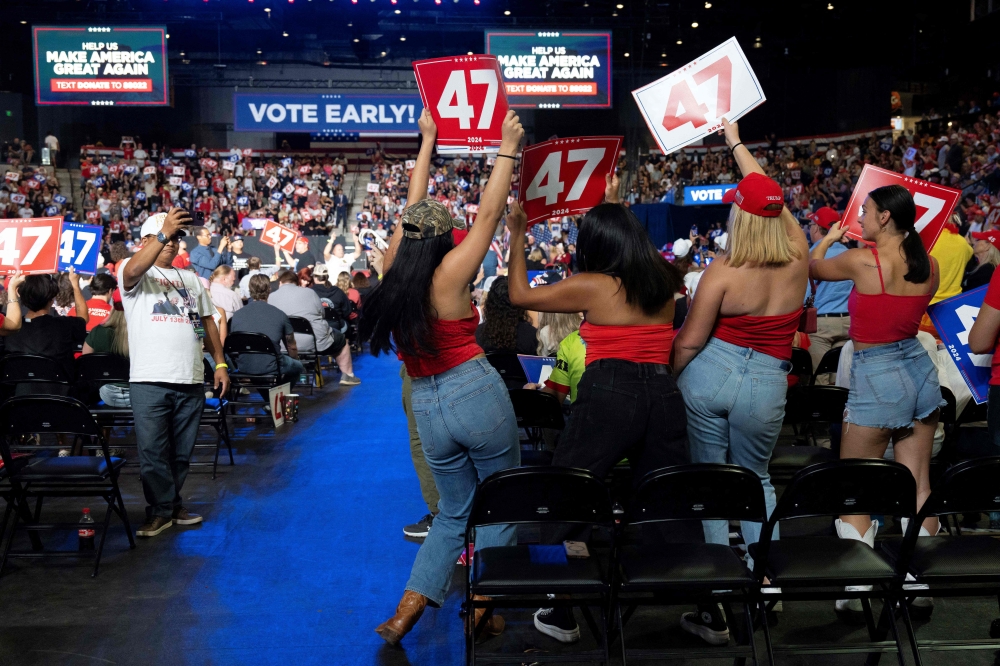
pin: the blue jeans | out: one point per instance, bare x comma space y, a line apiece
468, 431
735, 400
166, 425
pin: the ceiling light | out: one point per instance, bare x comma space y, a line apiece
258, 51
506, 12
350, 25
829, 5
284, 34
356, 40
663, 64
614, 13
758, 39
694, 25
402, 38
663, 55
708, 5
469, 53
756, 45
24, 23
680, 41
620, 6
383, 54
626, 54
397, 12
167, 35
267, 9
182, 54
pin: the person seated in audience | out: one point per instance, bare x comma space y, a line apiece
46, 334
111, 337
627, 402
303, 257
363, 285
296, 301
117, 253
733, 353
64, 297
506, 328
253, 268
344, 284
986, 256
221, 290
99, 306
553, 327
536, 259
894, 390
259, 316
336, 307
305, 276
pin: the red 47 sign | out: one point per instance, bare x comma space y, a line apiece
565, 176
30, 245
467, 99
278, 236
934, 202
689, 103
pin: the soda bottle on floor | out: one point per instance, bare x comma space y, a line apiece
86, 531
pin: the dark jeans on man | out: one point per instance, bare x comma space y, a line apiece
166, 426
291, 372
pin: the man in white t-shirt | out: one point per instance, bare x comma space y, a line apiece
168, 312
52, 143
336, 261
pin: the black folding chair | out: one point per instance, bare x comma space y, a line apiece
805, 407
214, 415
828, 364
952, 566
42, 371
245, 345
802, 365
814, 568
310, 360
509, 367
522, 576
691, 572
72, 476
96, 370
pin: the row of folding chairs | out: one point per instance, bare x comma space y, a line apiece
96, 370
623, 577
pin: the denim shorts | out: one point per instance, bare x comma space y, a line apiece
892, 386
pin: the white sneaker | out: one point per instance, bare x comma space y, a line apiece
711, 627
852, 607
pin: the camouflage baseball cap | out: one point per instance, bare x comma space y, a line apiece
428, 219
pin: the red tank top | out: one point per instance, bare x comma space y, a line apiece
638, 344
879, 319
771, 335
455, 340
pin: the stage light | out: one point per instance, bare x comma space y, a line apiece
663, 55
24, 23
437, 2
756, 45
284, 34
383, 54
259, 51
679, 42
267, 9
829, 5
708, 5
356, 40
469, 53
614, 13
167, 35
758, 39
182, 54
694, 25
626, 54
475, 2
402, 38
620, 6
506, 12
663, 64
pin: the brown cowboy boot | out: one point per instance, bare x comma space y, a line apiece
409, 610
493, 627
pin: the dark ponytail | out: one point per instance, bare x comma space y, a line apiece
899, 202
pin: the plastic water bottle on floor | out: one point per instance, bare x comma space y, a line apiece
86, 531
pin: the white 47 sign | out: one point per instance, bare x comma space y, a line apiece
689, 103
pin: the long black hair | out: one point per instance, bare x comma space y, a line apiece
899, 202
613, 242
502, 317
398, 313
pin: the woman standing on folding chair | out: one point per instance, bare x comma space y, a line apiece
734, 352
895, 393
422, 309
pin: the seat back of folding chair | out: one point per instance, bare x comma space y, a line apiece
99, 369
30, 414
829, 363
815, 404
698, 492
972, 486
509, 367
31, 368
246, 344
535, 409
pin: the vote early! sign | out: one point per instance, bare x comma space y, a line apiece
953, 318
699, 195
466, 99
566, 176
29, 245
934, 202
689, 103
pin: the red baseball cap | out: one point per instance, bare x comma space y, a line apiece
826, 217
993, 237
756, 191
729, 196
